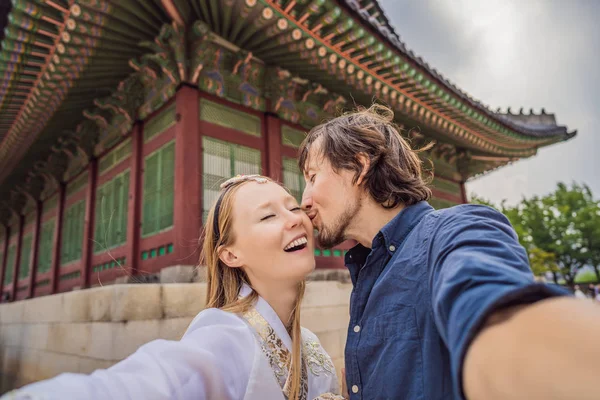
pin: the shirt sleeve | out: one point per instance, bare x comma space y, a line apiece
212, 361
477, 266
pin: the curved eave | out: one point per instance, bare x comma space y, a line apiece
371, 14
55, 60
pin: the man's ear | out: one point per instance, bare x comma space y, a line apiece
364, 160
229, 258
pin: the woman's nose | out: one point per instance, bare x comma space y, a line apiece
294, 219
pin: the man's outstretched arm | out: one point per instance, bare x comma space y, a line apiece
547, 350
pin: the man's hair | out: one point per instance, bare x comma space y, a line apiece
395, 171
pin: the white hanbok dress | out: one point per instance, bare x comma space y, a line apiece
220, 356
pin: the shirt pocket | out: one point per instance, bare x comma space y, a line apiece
397, 323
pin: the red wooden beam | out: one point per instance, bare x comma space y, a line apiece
134, 205
463, 193
3, 259
272, 135
17, 265
57, 238
88, 227
35, 244
188, 176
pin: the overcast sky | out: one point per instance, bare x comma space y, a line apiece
518, 53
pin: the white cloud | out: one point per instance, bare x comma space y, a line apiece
531, 54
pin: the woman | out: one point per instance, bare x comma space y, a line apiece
248, 343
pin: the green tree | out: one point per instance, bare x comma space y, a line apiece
560, 231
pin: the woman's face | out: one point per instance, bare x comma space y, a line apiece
273, 236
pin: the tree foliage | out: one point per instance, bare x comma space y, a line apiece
560, 231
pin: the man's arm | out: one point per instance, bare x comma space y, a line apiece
481, 285
547, 350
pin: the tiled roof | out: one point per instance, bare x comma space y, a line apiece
372, 14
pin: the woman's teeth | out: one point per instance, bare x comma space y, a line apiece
296, 243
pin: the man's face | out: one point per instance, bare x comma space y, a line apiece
330, 199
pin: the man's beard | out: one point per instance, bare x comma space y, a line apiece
334, 234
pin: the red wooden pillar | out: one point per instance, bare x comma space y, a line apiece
17, 265
34, 249
463, 193
187, 214
62, 193
134, 205
3, 259
88, 228
273, 146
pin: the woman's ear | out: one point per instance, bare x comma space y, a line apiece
229, 258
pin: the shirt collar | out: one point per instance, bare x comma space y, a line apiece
270, 316
395, 231
392, 235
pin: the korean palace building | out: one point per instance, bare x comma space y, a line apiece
119, 119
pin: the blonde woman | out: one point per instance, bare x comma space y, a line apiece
248, 343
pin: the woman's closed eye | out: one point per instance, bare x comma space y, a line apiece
266, 217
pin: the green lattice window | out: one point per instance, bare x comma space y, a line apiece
46, 242
111, 213
230, 118
115, 156
159, 180
25, 256
10, 264
293, 178
222, 160
160, 123
291, 137
72, 235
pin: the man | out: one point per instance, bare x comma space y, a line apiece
444, 304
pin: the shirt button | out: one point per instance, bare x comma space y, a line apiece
356, 328
354, 389
392, 248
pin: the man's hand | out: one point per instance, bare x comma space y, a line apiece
547, 350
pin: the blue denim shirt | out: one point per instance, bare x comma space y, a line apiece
422, 292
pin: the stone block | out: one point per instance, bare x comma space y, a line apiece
338, 363
183, 299
70, 338
88, 365
76, 306
11, 313
326, 293
136, 302
28, 366
177, 274
101, 344
129, 336
100, 303
51, 364
200, 274
323, 319
337, 275
11, 335
43, 309
10, 365
331, 342
173, 328
35, 336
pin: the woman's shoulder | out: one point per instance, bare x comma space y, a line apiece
218, 319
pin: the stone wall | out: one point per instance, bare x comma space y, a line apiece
84, 330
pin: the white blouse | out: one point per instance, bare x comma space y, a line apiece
221, 356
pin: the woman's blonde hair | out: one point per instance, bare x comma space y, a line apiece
224, 283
